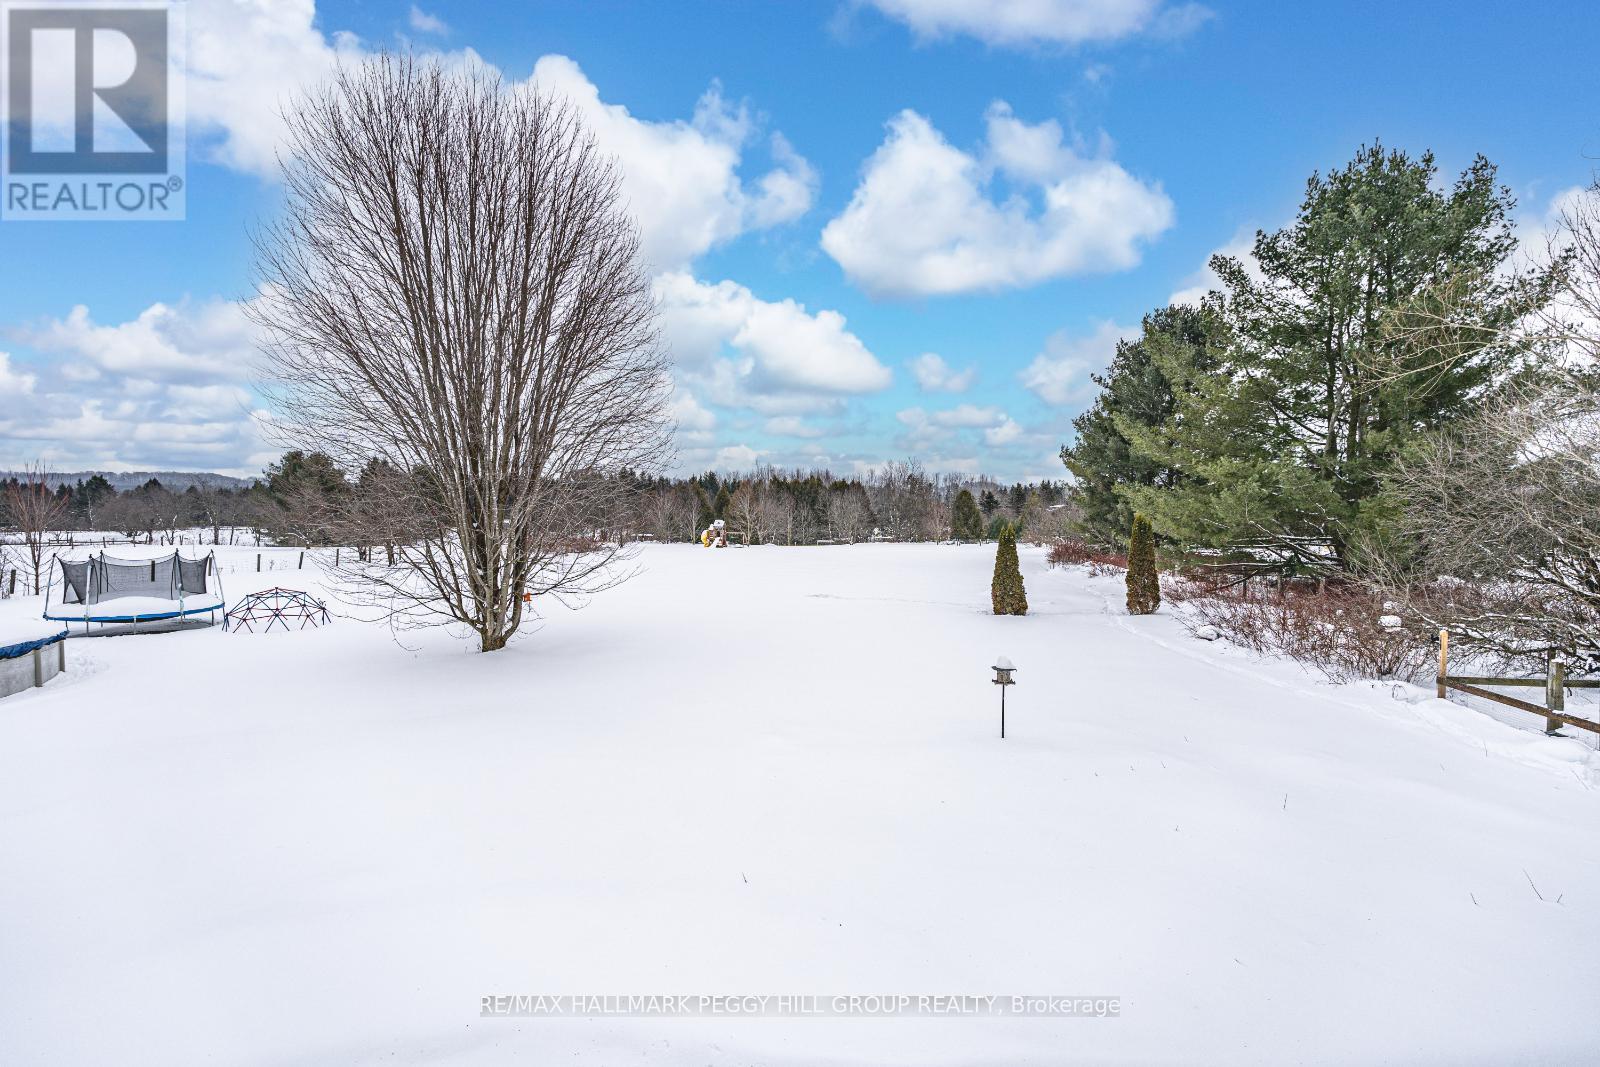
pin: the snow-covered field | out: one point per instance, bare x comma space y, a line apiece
777, 771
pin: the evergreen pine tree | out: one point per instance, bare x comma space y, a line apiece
1006, 591
703, 515
1144, 584
1133, 391
720, 508
1326, 360
966, 522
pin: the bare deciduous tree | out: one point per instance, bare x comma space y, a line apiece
849, 516
33, 509
745, 510
904, 501
1500, 540
670, 512
211, 506
454, 289
775, 516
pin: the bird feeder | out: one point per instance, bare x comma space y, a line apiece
1003, 669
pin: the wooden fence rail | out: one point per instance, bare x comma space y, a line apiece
1555, 684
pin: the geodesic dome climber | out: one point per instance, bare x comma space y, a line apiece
287, 609
105, 589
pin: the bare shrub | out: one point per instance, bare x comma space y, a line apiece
1499, 532
1074, 552
1500, 538
32, 509
1338, 629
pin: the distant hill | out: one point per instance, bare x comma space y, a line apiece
177, 481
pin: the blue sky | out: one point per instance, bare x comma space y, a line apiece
830, 193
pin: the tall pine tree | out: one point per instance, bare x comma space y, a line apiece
1135, 391
1322, 379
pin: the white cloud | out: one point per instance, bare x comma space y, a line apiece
200, 403
14, 383
736, 458
968, 415
682, 178
1060, 373
786, 191
690, 415
423, 22
969, 465
1021, 22
1541, 234
1003, 434
962, 416
746, 347
929, 219
934, 375
164, 343
248, 59
164, 389
1194, 288
938, 430
792, 426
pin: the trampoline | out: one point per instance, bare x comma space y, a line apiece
134, 592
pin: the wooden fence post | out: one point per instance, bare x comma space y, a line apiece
1555, 697
1444, 656
301, 562
258, 563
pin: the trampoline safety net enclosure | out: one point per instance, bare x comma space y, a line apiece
105, 589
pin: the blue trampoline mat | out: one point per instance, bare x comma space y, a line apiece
154, 616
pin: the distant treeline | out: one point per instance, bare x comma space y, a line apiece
306, 498
149, 512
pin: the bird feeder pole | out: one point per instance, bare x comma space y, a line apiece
1003, 669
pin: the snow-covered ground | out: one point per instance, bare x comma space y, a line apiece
777, 771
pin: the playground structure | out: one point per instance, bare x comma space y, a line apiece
287, 609
170, 591
715, 535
